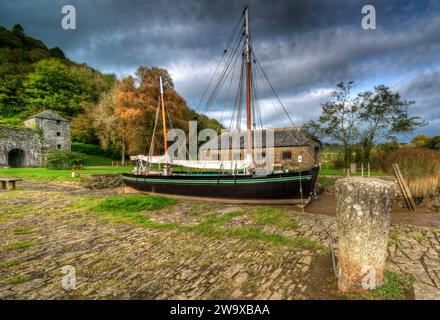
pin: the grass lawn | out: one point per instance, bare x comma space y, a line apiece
44, 174
326, 171
61, 175
93, 160
133, 204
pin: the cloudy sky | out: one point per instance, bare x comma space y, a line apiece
305, 46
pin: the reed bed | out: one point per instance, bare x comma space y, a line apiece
420, 168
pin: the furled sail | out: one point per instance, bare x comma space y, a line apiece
201, 164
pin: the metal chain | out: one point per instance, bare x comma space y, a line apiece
335, 267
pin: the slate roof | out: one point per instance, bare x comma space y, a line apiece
283, 137
47, 114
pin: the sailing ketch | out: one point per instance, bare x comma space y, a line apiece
227, 183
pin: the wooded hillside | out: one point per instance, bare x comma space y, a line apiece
34, 78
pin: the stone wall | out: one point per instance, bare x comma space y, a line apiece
101, 181
23, 139
311, 155
56, 134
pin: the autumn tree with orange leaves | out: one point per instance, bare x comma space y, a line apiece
125, 115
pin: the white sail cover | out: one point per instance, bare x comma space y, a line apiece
202, 164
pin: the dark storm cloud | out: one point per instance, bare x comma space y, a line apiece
305, 46
424, 89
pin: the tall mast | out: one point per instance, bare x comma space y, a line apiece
248, 82
164, 123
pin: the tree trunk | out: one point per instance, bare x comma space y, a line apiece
363, 211
347, 155
367, 146
123, 154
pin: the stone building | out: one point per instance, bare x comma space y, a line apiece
26, 146
293, 148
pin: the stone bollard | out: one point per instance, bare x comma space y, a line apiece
363, 210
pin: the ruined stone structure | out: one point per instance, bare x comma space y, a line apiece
27, 146
293, 148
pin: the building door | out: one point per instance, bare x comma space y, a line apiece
317, 152
16, 158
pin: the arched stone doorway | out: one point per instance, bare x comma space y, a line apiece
16, 158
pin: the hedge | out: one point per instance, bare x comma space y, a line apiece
92, 149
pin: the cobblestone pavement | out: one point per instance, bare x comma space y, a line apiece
43, 230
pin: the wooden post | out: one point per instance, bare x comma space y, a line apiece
353, 168
363, 209
369, 173
404, 187
362, 169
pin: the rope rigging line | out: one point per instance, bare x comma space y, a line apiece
232, 36
220, 81
257, 97
227, 75
227, 96
255, 100
273, 89
230, 65
276, 95
151, 144
238, 99
257, 104
150, 153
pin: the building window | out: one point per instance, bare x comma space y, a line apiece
237, 156
287, 155
58, 121
58, 146
214, 156
261, 155
58, 134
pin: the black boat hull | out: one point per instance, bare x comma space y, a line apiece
284, 186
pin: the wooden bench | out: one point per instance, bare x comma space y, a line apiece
9, 183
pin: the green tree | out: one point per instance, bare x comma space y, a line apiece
106, 121
339, 120
384, 115
433, 143
18, 30
63, 159
388, 146
365, 118
420, 140
12, 77
82, 126
57, 53
51, 86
